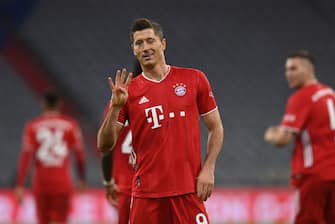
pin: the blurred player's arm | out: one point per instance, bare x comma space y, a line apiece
78, 146
23, 165
278, 136
205, 182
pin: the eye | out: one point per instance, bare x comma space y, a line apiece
151, 40
138, 43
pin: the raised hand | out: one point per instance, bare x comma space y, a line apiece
120, 87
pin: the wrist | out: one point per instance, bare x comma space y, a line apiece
108, 183
115, 105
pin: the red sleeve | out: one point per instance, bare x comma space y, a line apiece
26, 155
77, 138
205, 98
296, 114
123, 115
78, 147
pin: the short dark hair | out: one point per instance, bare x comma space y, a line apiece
142, 24
51, 99
305, 54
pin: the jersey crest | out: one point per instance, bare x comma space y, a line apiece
179, 89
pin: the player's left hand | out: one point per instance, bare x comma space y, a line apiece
111, 194
19, 194
270, 134
205, 184
80, 187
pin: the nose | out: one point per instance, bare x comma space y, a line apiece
146, 46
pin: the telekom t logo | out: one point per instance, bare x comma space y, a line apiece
154, 115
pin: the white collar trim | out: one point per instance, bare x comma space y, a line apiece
156, 81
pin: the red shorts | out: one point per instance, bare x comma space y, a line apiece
52, 207
123, 201
170, 210
316, 201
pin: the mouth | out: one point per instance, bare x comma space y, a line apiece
147, 57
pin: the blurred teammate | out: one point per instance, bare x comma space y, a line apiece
48, 140
162, 106
118, 171
310, 120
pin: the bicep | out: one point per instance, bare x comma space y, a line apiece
212, 120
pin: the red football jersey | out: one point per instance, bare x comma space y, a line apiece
310, 113
164, 120
49, 139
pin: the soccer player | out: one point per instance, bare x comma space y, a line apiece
310, 120
118, 171
163, 106
48, 140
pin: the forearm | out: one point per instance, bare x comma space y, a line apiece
106, 166
108, 132
214, 147
278, 136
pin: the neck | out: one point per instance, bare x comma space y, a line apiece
310, 81
50, 111
157, 73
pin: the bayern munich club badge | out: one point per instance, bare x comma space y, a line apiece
179, 89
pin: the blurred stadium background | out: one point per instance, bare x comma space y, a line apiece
241, 45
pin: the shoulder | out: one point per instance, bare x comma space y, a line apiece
65, 122
187, 71
29, 124
136, 82
33, 122
68, 119
189, 74
309, 93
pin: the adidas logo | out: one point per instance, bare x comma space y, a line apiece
143, 100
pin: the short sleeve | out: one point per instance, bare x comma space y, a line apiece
123, 115
205, 97
296, 114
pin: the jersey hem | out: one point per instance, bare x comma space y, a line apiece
160, 194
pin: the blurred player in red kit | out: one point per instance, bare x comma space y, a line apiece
48, 140
118, 171
163, 106
310, 120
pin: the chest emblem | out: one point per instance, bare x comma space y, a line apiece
179, 89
